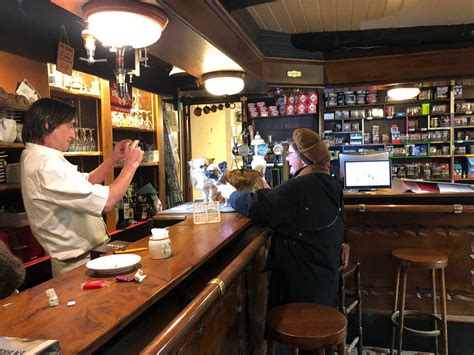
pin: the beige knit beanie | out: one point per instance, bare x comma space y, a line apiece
311, 148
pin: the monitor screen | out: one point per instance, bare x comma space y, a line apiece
367, 175
343, 157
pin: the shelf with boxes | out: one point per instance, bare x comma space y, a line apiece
278, 116
463, 135
415, 132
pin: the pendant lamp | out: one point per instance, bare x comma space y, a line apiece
125, 23
224, 82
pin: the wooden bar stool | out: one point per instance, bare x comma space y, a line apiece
307, 326
425, 259
347, 271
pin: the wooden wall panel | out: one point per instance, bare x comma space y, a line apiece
373, 235
14, 69
448, 64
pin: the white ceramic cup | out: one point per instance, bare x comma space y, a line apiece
159, 245
7, 130
19, 129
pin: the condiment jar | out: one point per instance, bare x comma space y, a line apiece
159, 245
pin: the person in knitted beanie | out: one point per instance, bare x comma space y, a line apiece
12, 273
311, 149
306, 216
307, 219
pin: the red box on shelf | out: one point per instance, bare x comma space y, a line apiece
301, 108
311, 107
313, 97
290, 110
302, 98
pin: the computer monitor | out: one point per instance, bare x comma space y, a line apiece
367, 175
367, 156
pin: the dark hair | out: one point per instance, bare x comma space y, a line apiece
50, 111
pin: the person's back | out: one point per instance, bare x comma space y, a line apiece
306, 218
306, 215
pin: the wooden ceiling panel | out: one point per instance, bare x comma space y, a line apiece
344, 10
376, 9
313, 14
266, 16
281, 11
360, 10
297, 19
328, 15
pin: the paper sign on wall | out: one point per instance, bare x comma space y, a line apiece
65, 59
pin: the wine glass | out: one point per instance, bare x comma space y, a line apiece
92, 141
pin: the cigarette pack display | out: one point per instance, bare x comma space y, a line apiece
302, 98
301, 108
311, 107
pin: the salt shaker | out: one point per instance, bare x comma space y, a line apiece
159, 245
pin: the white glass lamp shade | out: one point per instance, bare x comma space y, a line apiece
123, 24
175, 71
400, 94
224, 83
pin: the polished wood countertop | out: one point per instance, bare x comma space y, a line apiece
99, 314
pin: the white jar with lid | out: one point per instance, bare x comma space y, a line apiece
159, 245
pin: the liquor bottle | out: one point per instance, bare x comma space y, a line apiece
126, 208
119, 213
131, 203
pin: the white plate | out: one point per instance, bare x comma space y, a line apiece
113, 264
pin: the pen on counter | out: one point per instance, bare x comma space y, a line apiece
129, 250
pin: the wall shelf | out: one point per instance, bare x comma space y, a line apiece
4, 145
73, 92
82, 154
9, 187
133, 129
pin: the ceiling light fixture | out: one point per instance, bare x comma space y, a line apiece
125, 23
399, 94
224, 82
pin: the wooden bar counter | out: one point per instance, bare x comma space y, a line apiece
124, 317
380, 222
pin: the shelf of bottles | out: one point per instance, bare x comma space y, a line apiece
133, 208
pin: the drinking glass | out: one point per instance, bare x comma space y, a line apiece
93, 144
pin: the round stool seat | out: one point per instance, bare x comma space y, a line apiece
421, 258
306, 325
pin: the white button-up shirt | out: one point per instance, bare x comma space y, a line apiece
64, 209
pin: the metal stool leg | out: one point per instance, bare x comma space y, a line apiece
359, 308
341, 349
443, 311
435, 312
401, 316
270, 347
395, 306
295, 351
